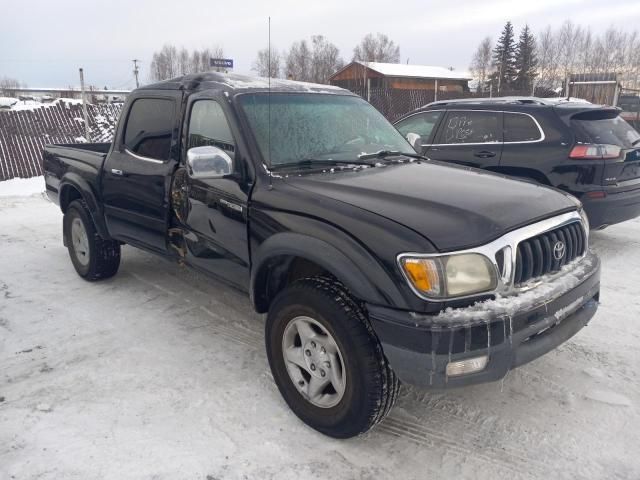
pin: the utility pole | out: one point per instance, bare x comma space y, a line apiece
84, 108
136, 70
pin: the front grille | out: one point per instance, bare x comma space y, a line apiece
538, 255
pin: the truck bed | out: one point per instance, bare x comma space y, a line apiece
84, 160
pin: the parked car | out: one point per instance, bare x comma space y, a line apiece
586, 150
372, 264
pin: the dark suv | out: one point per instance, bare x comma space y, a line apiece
585, 149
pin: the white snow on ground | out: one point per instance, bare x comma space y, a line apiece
22, 186
8, 102
161, 373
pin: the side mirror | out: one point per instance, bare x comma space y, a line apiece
416, 141
208, 162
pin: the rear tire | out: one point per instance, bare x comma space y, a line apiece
307, 318
93, 257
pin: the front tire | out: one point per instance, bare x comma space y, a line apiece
326, 360
93, 257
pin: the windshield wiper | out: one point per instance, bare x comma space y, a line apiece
390, 153
312, 162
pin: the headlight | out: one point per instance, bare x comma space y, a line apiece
447, 276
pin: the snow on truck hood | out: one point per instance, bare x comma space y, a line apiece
453, 207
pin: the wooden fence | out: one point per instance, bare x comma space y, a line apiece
24, 133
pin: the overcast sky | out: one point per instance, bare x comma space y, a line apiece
44, 44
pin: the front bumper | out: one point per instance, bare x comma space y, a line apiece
511, 331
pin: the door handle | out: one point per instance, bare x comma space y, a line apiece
484, 154
115, 171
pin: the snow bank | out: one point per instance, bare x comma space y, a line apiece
29, 105
21, 187
68, 101
7, 102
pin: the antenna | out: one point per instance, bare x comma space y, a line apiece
269, 107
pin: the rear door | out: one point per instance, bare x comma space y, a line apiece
468, 137
616, 138
137, 174
524, 145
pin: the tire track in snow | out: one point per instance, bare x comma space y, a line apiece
234, 332
475, 448
223, 327
475, 429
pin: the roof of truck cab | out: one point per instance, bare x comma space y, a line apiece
232, 82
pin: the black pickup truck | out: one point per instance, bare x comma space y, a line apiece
375, 265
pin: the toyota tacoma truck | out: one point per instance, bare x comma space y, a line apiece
374, 265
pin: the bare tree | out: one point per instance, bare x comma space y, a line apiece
325, 59
575, 49
169, 62
377, 48
315, 63
548, 59
480, 67
184, 61
266, 67
298, 62
164, 64
8, 86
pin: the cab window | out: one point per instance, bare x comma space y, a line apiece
460, 127
149, 128
208, 126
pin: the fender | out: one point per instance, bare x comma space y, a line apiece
375, 287
75, 181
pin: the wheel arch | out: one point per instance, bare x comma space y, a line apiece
73, 187
286, 257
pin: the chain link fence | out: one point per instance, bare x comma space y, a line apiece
629, 103
394, 103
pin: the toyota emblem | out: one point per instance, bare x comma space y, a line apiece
558, 250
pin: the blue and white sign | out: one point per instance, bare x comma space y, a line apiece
221, 62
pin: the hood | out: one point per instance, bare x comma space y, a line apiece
454, 207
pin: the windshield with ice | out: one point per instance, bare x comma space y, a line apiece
317, 128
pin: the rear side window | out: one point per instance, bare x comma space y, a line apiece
421, 123
150, 127
470, 127
520, 128
604, 127
208, 125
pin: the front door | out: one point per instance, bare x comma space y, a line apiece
216, 217
472, 138
137, 174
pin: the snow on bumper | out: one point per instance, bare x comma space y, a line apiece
511, 330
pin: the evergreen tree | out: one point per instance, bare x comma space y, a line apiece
504, 66
526, 60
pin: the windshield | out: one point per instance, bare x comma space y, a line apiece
604, 128
318, 128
